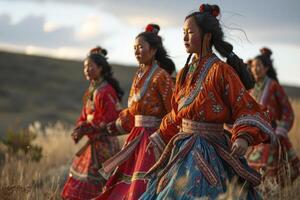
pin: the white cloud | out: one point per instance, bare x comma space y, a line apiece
51, 26
61, 52
51, 29
89, 29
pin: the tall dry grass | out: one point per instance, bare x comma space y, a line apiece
25, 179
270, 188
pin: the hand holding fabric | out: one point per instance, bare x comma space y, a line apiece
239, 147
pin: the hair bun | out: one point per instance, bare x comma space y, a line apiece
249, 62
214, 10
153, 28
266, 51
98, 50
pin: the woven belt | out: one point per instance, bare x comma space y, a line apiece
146, 121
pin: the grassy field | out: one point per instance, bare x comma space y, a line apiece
49, 90
25, 179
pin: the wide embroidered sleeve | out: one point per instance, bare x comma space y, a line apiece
170, 122
251, 121
285, 123
165, 87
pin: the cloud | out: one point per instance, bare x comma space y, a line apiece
35, 33
262, 20
34, 30
91, 28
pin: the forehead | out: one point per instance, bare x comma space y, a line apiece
256, 61
190, 23
140, 41
88, 61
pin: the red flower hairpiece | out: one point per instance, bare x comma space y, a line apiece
95, 50
202, 8
266, 51
149, 28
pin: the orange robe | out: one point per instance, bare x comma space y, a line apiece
148, 102
197, 161
222, 99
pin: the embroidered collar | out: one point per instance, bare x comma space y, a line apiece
185, 101
138, 94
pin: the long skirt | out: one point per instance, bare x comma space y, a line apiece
127, 181
84, 181
196, 166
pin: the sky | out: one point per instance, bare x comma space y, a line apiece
69, 28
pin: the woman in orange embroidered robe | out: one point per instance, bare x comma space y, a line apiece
148, 102
199, 159
281, 160
101, 107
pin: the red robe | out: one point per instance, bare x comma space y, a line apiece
84, 181
272, 158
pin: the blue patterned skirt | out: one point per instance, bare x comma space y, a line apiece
200, 165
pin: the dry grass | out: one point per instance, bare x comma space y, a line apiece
269, 187
23, 179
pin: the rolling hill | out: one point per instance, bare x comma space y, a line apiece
34, 88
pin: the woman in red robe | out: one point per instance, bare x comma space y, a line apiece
101, 106
149, 101
278, 160
199, 159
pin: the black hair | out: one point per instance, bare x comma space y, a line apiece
150, 35
265, 58
207, 22
98, 56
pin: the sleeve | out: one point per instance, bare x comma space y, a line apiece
170, 123
286, 121
106, 108
82, 117
165, 87
125, 121
251, 121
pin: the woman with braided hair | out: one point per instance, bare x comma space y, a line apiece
149, 100
101, 106
279, 161
199, 159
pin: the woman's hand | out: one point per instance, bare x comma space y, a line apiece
80, 131
239, 147
77, 134
111, 127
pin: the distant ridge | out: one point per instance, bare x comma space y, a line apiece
48, 89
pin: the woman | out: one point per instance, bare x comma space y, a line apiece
101, 106
199, 159
148, 102
279, 161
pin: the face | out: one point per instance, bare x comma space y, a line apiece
91, 70
192, 36
143, 52
258, 70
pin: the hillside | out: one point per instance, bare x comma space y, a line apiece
48, 90
45, 89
